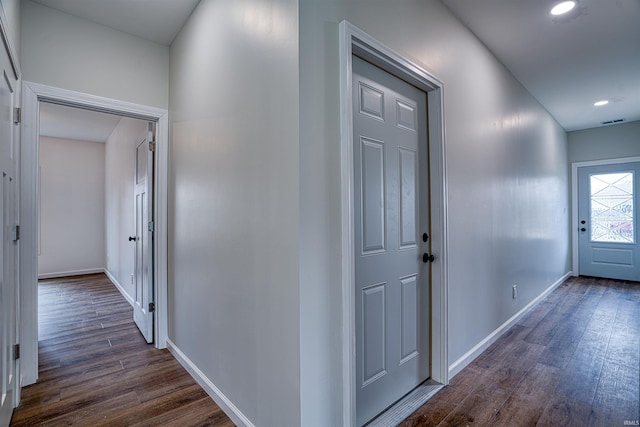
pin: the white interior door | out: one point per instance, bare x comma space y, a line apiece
392, 261
144, 307
608, 221
9, 246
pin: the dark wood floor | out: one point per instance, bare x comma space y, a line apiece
574, 360
96, 369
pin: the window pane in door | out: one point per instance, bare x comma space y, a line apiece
612, 207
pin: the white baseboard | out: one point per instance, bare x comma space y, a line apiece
469, 356
70, 273
223, 401
117, 284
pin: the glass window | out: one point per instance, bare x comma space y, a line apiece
612, 207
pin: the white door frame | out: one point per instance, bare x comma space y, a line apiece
355, 41
575, 264
32, 94
15, 135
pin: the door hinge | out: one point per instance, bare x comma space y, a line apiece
151, 226
15, 233
152, 146
152, 307
16, 351
17, 115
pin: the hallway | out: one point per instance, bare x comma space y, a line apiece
96, 369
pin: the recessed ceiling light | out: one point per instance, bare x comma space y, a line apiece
601, 103
563, 7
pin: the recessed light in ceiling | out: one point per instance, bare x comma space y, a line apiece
600, 103
563, 7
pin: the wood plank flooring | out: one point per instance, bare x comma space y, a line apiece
96, 369
574, 360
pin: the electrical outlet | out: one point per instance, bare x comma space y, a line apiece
514, 291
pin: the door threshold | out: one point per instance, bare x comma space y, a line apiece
406, 406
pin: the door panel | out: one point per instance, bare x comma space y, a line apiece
408, 209
390, 212
608, 221
373, 203
409, 314
143, 313
373, 332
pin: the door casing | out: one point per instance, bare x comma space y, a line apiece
355, 41
32, 95
575, 226
9, 242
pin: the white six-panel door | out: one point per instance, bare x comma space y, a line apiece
143, 312
391, 238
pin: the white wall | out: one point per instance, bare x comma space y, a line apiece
234, 201
607, 142
119, 203
72, 220
507, 176
63, 51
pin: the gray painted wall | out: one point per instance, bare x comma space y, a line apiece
507, 175
607, 142
66, 52
234, 195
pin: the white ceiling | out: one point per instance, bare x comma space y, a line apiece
566, 63
59, 121
569, 62
155, 20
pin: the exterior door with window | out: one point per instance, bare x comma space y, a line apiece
608, 221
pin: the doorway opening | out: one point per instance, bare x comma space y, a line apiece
34, 97
87, 216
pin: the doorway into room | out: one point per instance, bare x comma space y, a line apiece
33, 95
95, 192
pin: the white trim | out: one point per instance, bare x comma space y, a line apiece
15, 132
33, 93
29, 238
120, 288
70, 273
355, 41
161, 247
470, 355
575, 264
216, 394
